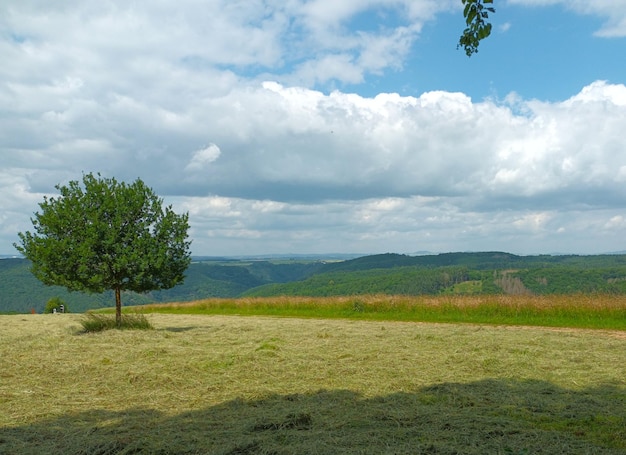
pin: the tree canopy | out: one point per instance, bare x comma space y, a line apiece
106, 235
476, 13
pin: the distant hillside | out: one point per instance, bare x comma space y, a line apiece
408, 280
483, 272
21, 292
494, 260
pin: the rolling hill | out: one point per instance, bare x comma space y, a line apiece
480, 272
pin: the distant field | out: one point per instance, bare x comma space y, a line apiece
581, 311
216, 384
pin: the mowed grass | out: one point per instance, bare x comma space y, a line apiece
215, 384
580, 311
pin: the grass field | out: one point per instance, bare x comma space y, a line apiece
219, 384
580, 311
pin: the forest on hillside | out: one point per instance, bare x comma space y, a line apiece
449, 273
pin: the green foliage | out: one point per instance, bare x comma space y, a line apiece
476, 14
284, 272
599, 311
397, 281
55, 304
20, 290
465, 288
488, 260
93, 322
107, 236
460, 273
449, 273
571, 280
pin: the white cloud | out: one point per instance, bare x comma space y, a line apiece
618, 223
140, 90
300, 165
503, 28
533, 222
601, 92
201, 158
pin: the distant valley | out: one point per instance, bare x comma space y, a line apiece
328, 275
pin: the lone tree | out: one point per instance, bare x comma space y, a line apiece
109, 235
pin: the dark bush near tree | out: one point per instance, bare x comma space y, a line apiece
55, 303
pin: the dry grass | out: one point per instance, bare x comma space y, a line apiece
93, 322
244, 385
588, 301
582, 311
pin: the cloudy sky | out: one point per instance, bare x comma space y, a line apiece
319, 126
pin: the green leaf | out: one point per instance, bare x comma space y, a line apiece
467, 9
109, 235
476, 14
471, 15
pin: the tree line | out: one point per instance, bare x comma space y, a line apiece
21, 292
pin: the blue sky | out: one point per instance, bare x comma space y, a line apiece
546, 52
320, 126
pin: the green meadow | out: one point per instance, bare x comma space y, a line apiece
207, 383
580, 311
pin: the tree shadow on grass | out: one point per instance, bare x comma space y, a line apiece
485, 417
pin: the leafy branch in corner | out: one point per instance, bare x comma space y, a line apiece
476, 13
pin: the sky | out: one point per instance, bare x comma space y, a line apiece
319, 126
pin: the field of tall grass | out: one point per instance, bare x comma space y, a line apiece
580, 311
227, 384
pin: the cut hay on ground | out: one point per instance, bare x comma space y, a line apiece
248, 385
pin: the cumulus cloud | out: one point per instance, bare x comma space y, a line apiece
308, 145
138, 91
201, 158
386, 169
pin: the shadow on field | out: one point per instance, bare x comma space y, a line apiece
485, 417
179, 329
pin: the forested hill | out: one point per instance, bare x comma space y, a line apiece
21, 292
478, 261
465, 273
461, 273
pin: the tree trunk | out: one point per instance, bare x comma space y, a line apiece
118, 307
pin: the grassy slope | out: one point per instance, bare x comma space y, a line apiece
581, 311
234, 385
